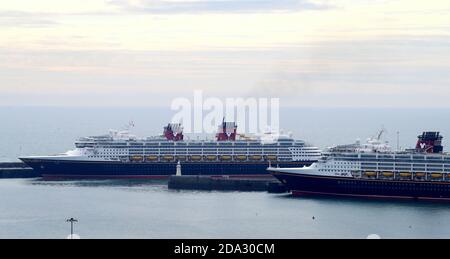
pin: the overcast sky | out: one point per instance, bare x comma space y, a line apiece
376, 53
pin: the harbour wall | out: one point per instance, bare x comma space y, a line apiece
184, 182
207, 183
16, 170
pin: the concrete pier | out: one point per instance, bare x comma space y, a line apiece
16, 170
192, 182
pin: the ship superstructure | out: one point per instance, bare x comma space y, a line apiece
378, 157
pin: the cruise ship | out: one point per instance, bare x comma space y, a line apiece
372, 169
120, 154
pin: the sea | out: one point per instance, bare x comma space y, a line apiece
34, 208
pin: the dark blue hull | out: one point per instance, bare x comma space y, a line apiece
338, 186
110, 169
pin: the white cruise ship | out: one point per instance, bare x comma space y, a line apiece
374, 170
121, 154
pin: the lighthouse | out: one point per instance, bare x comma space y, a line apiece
178, 168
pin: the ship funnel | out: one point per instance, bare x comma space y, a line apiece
227, 131
429, 142
174, 131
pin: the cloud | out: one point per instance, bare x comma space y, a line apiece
25, 19
216, 6
397, 72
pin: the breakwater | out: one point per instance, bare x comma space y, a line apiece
16, 170
186, 182
208, 183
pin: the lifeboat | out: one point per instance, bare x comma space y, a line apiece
240, 158
151, 158
420, 174
168, 158
255, 157
271, 157
436, 175
181, 158
196, 158
211, 158
225, 158
136, 158
388, 174
405, 174
370, 173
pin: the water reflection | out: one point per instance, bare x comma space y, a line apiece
124, 184
369, 201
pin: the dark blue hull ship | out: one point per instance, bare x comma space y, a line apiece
89, 169
337, 186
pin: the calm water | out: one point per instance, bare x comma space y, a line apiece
139, 209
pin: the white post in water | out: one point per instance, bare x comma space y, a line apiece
71, 220
178, 168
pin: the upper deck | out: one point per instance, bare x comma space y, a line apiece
132, 141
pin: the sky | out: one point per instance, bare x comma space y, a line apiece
312, 53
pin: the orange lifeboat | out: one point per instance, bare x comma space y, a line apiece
405, 174
370, 173
436, 175
136, 158
271, 157
388, 174
240, 158
211, 157
168, 158
420, 174
181, 158
151, 158
196, 158
225, 158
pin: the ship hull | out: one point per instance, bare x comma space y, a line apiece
301, 184
111, 169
